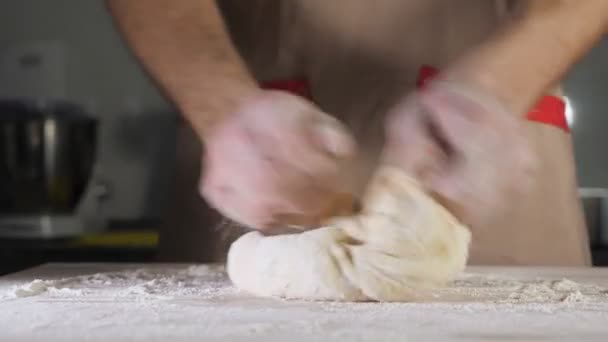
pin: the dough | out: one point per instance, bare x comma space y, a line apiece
401, 246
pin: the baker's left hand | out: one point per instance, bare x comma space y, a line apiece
464, 146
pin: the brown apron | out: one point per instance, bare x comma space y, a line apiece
360, 56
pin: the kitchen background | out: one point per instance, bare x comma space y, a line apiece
69, 50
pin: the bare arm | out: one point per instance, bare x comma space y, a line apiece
185, 46
535, 51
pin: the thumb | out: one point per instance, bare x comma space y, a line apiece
331, 137
448, 188
447, 182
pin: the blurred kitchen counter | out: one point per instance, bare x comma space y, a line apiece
123, 242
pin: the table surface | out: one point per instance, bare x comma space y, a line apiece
160, 302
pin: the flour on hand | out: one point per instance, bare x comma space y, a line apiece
400, 247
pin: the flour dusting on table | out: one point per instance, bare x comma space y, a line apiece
199, 281
209, 281
198, 302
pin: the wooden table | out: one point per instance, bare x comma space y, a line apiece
156, 302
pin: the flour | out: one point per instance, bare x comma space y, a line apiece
209, 281
141, 284
181, 303
501, 290
37, 287
33, 288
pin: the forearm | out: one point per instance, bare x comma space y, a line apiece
185, 46
535, 51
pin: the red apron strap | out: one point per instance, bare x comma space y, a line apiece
550, 110
294, 86
425, 74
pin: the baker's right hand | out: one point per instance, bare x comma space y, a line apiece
276, 161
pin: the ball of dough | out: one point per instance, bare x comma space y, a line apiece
400, 247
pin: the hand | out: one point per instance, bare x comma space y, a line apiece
276, 161
464, 146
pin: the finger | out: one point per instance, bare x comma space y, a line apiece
298, 124
330, 136
410, 145
320, 157
298, 144
450, 122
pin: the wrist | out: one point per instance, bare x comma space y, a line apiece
530, 56
208, 107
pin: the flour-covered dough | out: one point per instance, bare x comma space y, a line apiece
400, 247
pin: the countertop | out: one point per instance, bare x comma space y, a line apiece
175, 302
